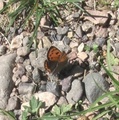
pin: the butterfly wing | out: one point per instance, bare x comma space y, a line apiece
56, 60
50, 66
55, 54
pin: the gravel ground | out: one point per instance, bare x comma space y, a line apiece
62, 65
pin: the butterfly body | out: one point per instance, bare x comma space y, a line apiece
55, 60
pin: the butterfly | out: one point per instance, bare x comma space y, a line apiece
56, 60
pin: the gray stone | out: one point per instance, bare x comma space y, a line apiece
26, 41
19, 59
2, 49
26, 88
75, 94
100, 41
66, 83
66, 40
62, 100
62, 31
78, 33
95, 85
23, 51
20, 71
36, 75
13, 103
28, 68
53, 87
6, 83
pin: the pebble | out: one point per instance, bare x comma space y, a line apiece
95, 85
26, 41
100, 41
32, 57
47, 97
66, 40
62, 100
1, 5
28, 68
53, 87
17, 42
2, 49
4, 117
44, 42
70, 34
82, 55
75, 94
36, 76
42, 87
78, 33
26, 88
62, 30
66, 83
81, 47
13, 103
6, 83
19, 59
26, 62
20, 70
86, 26
23, 51
24, 78
73, 44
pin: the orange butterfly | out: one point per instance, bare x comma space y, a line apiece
56, 60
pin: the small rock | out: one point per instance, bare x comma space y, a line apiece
59, 37
4, 117
32, 56
26, 88
28, 68
66, 83
62, 31
2, 49
6, 83
117, 47
20, 70
85, 38
1, 4
19, 59
82, 55
100, 41
86, 26
66, 40
95, 85
62, 100
45, 42
42, 87
76, 15
16, 42
26, 41
78, 33
75, 94
72, 56
26, 62
47, 97
24, 78
36, 76
13, 103
73, 44
53, 87
70, 34
23, 51
81, 47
